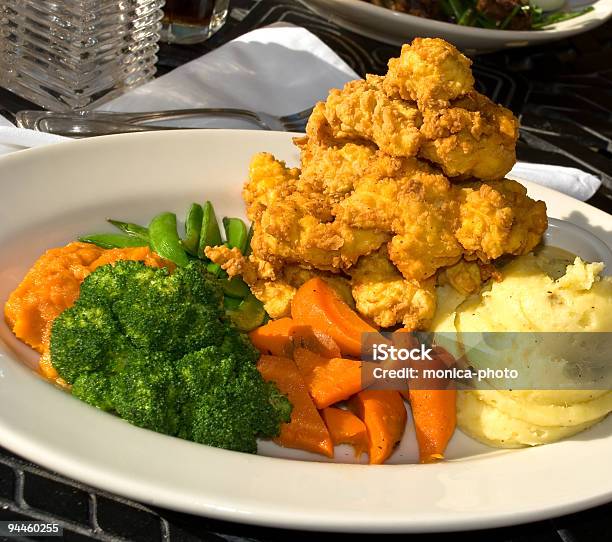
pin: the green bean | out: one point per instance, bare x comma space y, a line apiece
193, 228
231, 303
249, 314
165, 240
236, 233
133, 230
113, 240
235, 287
214, 269
210, 235
249, 249
509, 17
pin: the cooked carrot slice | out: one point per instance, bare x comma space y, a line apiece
384, 415
305, 336
306, 430
317, 304
328, 380
346, 428
274, 337
434, 410
435, 417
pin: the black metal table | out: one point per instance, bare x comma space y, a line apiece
563, 96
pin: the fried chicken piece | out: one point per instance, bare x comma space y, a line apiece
362, 110
382, 294
269, 179
418, 207
286, 232
467, 277
474, 137
499, 218
431, 72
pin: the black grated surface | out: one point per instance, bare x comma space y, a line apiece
563, 95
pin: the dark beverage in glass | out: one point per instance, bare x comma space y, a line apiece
193, 21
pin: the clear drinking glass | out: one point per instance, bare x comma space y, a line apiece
74, 54
193, 21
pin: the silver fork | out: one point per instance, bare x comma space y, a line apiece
95, 123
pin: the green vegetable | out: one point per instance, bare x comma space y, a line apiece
468, 13
249, 249
113, 240
235, 287
510, 16
231, 303
210, 235
165, 240
236, 233
249, 314
227, 403
541, 20
158, 350
193, 226
133, 230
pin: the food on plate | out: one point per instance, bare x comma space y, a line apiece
435, 418
329, 380
158, 350
492, 14
384, 415
52, 285
399, 218
401, 177
306, 430
155, 340
534, 295
346, 428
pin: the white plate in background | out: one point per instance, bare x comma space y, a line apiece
50, 195
396, 28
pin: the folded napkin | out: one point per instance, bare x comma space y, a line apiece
279, 69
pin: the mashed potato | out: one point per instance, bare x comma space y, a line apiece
534, 295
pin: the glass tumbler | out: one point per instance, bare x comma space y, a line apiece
74, 54
193, 21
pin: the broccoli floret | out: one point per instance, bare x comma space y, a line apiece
226, 402
157, 349
145, 393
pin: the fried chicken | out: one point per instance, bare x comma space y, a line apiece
401, 180
473, 137
361, 109
384, 296
427, 106
429, 71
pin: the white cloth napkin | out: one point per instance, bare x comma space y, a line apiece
280, 69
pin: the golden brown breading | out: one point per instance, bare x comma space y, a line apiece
499, 218
362, 110
383, 295
269, 179
286, 232
467, 277
429, 71
474, 137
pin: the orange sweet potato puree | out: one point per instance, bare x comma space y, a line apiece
52, 285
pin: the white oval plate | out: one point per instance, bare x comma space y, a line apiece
50, 195
396, 28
